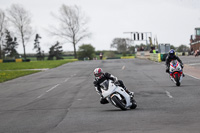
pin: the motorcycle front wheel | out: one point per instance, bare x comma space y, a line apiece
177, 80
119, 103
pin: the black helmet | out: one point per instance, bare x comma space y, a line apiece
171, 53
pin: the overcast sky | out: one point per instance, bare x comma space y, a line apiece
172, 21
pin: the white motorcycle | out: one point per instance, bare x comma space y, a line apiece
176, 74
117, 95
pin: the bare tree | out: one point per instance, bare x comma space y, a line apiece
2, 28
21, 20
73, 25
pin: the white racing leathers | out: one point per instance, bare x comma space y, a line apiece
117, 95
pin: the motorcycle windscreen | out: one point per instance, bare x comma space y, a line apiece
105, 85
174, 63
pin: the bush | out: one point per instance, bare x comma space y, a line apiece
86, 50
109, 54
124, 54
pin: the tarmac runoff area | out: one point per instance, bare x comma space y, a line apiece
190, 70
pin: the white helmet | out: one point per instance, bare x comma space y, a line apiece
98, 73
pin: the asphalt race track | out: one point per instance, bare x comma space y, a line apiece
63, 100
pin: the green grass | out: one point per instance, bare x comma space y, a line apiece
13, 70
35, 59
33, 64
8, 75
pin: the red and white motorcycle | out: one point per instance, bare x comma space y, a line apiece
117, 95
176, 73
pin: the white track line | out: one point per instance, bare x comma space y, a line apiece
48, 91
194, 64
168, 94
66, 79
53, 87
40, 95
192, 76
123, 67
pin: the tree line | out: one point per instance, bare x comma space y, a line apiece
123, 45
16, 29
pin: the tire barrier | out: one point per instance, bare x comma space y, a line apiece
143, 55
155, 57
161, 57
127, 57
113, 58
14, 60
18, 60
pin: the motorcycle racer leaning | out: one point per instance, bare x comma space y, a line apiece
100, 77
171, 56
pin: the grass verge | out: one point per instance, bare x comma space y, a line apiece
8, 75
13, 70
34, 64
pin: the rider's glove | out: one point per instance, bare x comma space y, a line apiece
116, 83
95, 83
115, 79
182, 66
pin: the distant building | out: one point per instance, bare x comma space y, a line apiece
195, 43
163, 48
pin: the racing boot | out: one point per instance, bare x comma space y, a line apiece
167, 70
103, 100
171, 77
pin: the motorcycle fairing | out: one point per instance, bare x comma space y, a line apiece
116, 90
